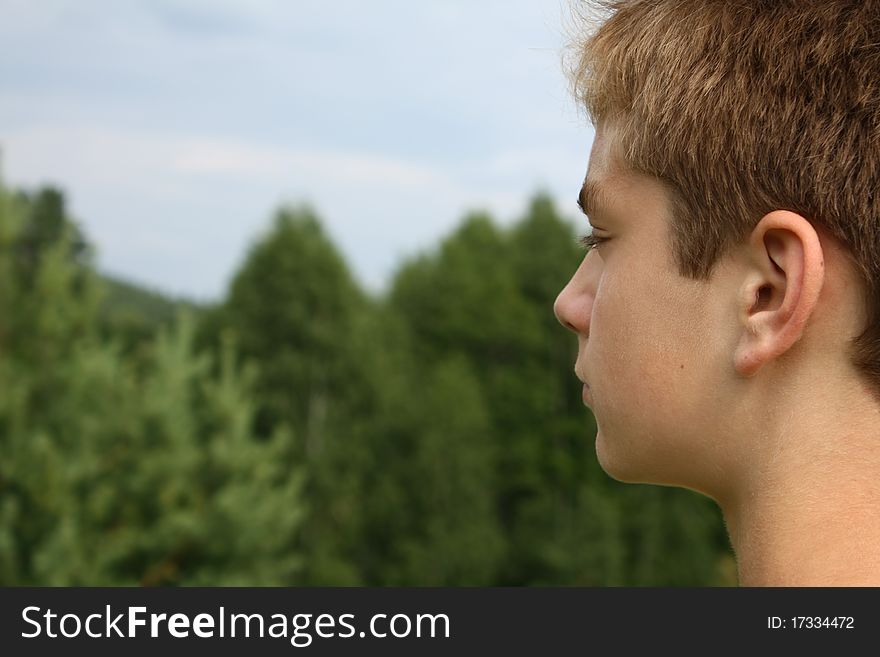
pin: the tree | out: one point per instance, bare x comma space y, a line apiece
124, 472
296, 311
292, 306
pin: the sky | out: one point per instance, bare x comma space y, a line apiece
177, 128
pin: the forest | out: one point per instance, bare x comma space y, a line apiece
304, 432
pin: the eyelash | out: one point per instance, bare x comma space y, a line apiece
591, 241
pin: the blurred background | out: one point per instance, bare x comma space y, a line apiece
276, 287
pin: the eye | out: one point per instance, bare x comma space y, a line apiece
591, 241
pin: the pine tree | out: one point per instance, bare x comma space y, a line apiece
123, 471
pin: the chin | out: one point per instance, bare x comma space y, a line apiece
632, 464
616, 463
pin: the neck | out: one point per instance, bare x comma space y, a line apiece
828, 536
809, 514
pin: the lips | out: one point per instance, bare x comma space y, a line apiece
586, 391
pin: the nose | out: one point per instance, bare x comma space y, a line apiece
574, 305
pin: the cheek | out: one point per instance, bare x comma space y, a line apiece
627, 332
645, 342
656, 375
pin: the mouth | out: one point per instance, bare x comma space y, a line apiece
585, 394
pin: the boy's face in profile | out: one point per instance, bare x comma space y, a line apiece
654, 348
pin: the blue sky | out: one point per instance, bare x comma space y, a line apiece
177, 127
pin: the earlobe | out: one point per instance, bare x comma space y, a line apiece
781, 290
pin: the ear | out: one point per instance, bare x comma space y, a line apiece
781, 289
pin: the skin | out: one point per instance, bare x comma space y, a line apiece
738, 387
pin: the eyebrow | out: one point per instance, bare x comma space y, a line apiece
592, 199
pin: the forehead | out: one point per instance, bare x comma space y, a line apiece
604, 175
604, 157
613, 193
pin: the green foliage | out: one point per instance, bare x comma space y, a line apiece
292, 308
465, 299
429, 497
454, 536
132, 315
440, 427
124, 472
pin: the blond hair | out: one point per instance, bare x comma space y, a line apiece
743, 107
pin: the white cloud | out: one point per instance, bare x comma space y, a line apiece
177, 127
208, 157
158, 203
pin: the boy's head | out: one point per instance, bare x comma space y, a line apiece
735, 170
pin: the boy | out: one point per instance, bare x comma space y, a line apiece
728, 310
